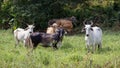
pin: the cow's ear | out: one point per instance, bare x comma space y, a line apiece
33, 26
26, 28
83, 30
91, 29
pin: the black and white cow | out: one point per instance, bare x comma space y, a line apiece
46, 39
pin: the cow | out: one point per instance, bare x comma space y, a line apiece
47, 40
93, 36
51, 30
66, 23
22, 34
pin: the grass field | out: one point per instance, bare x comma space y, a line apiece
71, 55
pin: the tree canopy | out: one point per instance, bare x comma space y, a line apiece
41, 11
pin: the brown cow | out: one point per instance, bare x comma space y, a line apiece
66, 23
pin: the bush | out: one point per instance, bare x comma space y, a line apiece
40, 12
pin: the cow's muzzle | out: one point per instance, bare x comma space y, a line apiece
30, 32
87, 35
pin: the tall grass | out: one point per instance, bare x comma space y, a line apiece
72, 54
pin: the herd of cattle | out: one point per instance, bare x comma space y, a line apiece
55, 32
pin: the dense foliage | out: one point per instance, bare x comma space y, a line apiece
106, 13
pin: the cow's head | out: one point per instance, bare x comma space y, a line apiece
87, 28
60, 32
30, 28
73, 18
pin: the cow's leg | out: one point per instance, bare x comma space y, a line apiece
30, 51
55, 45
99, 45
17, 42
93, 48
59, 44
16, 38
28, 43
24, 42
33, 48
88, 48
34, 45
51, 44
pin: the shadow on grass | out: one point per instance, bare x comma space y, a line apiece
104, 50
66, 46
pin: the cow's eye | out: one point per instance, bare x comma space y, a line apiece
84, 29
91, 29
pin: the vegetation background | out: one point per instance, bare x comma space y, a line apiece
106, 13
72, 54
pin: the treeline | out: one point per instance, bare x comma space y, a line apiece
15, 13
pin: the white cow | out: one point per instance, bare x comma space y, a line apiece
22, 34
93, 36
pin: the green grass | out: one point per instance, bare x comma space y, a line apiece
72, 54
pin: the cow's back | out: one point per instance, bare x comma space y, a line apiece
19, 34
36, 37
97, 34
66, 24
